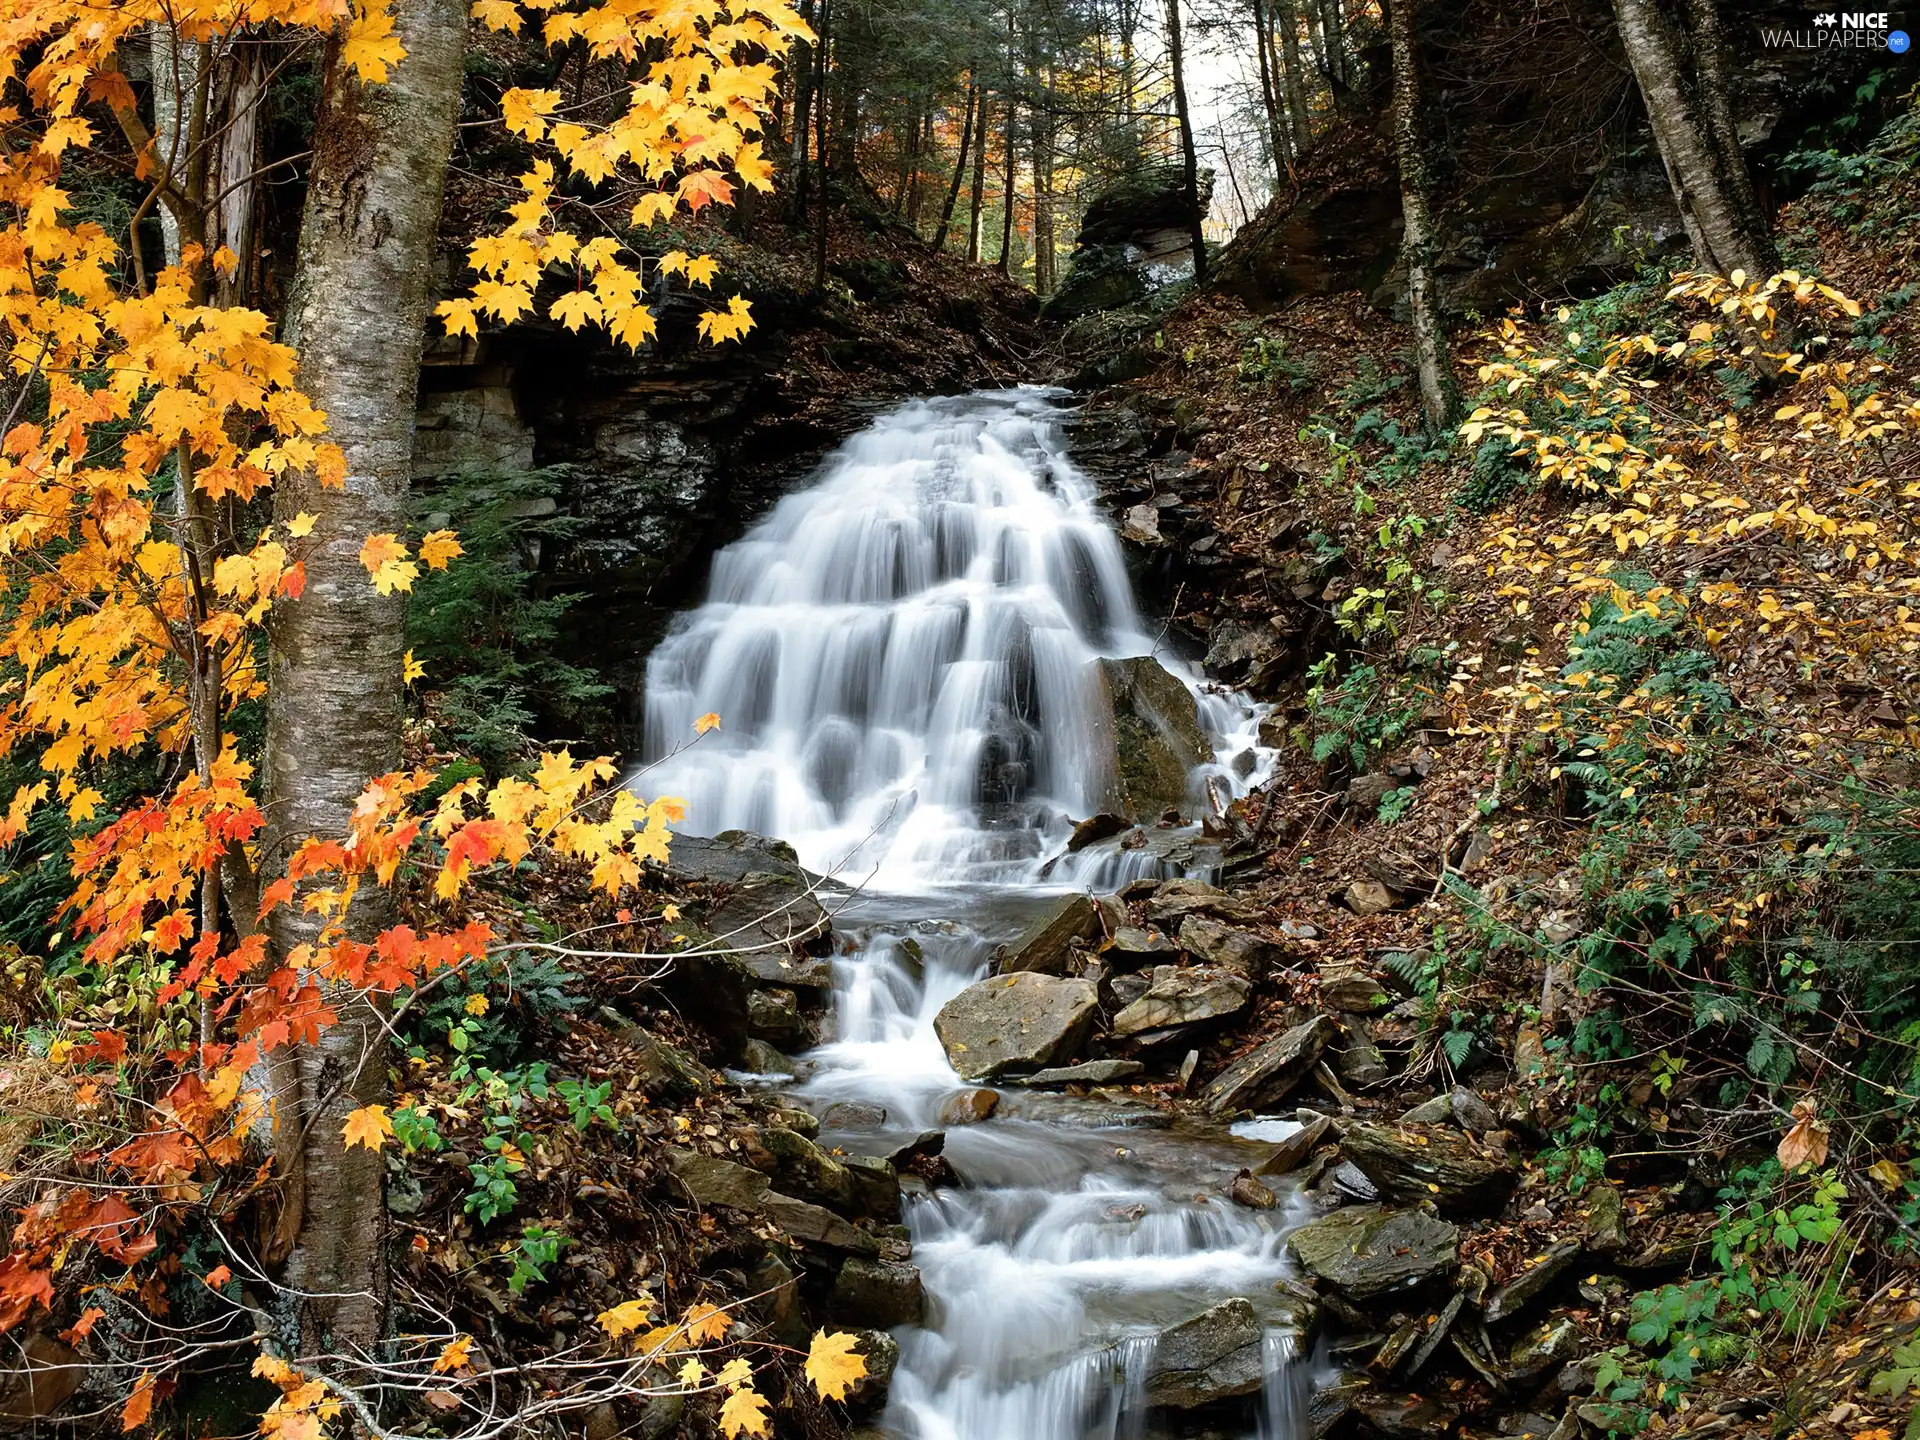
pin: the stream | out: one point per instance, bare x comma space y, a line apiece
903, 657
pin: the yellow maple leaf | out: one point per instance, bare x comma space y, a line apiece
691, 1373
371, 44
368, 1126
745, 1413
719, 326
225, 261
576, 308
460, 317
627, 1316
455, 1356
410, 669
437, 547
386, 561
708, 721
498, 15
833, 1366
706, 1323
477, 1005
702, 270
300, 526
736, 1371
752, 168
673, 262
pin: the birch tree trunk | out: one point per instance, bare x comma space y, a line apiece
1716, 100
1726, 236
1438, 394
357, 313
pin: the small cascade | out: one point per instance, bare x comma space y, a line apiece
1287, 1389
903, 659
905, 662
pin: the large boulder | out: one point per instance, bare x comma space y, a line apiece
1268, 1073
1017, 1022
1135, 238
1368, 1250
1216, 1355
1212, 943
1431, 1162
1046, 945
1148, 738
1178, 997
879, 1293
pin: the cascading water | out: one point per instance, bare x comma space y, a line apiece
904, 661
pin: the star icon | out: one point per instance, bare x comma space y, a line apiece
1826, 19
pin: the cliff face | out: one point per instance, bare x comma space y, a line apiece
1549, 181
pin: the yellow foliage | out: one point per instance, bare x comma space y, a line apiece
832, 1365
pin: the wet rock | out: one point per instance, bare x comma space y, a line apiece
776, 1302
1132, 945
1288, 1155
773, 1015
760, 1058
1365, 792
1368, 1250
1267, 1074
1125, 987
1141, 526
1472, 1113
1537, 1274
1368, 897
39, 1375
969, 1107
1213, 943
800, 972
1405, 1417
1177, 899
880, 1293
926, 1144
1546, 1346
875, 1187
817, 1224
1015, 1022
1046, 945
1349, 987
1245, 654
1351, 1183
854, 1115
1096, 828
882, 1354
800, 1121
802, 1169
1606, 1220
663, 1070
1247, 1191
1434, 1335
1216, 1355
660, 1416
1180, 997
1356, 1058
718, 1182
1153, 740
1091, 1072
1428, 1162
1436, 1111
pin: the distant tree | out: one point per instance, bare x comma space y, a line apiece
1438, 394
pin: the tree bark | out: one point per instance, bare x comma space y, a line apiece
1190, 159
1725, 237
1438, 394
801, 62
975, 222
1716, 99
1042, 138
1288, 15
357, 313
1333, 41
959, 166
822, 50
1008, 180
1269, 90
236, 186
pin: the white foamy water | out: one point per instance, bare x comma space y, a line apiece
904, 661
902, 658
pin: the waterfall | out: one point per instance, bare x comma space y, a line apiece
905, 660
902, 658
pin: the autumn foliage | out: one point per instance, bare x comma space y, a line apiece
139, 581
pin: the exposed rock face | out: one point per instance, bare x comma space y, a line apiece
1180, 997
879, 1293
1267, 1074
1538, 1273
1368, 1250
1431, 1162
1134, 238
1091, 1072
1047, 943
1214, 1356
1213, 943
1015, 1022
1292, 1152
1153, 742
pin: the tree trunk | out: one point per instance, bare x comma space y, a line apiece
1333, 44
1287, 12
1716, 99
922, 152
1438, 395
1725, 237
821, 50
975, 222
1269, 91
357, 313
959, 166
1043, 256
801, 63
1190, 159
1008, 181
909, 160
236, 187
